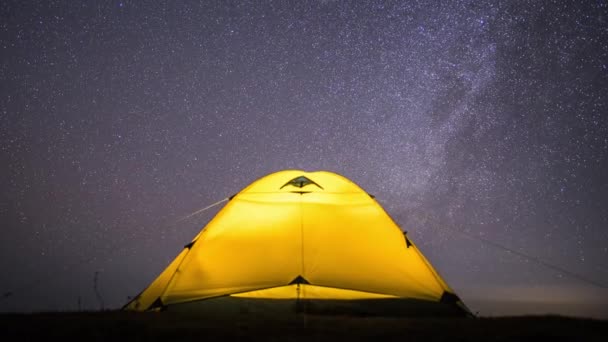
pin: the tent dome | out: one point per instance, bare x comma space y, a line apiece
296, 239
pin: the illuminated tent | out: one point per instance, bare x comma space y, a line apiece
295, 240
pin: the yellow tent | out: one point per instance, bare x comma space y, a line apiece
311, 241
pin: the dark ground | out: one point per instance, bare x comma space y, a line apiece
165, 326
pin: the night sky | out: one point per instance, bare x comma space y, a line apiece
468, 121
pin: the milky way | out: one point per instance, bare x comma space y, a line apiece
468, 121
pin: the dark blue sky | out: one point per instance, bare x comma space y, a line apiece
118, 118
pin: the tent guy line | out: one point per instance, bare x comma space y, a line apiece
202, 210
530, 257
534, 259
52, 274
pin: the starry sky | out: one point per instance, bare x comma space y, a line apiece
469, 121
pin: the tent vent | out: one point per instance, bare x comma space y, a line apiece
299, 280
300, 182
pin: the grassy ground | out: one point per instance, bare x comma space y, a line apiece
168, 326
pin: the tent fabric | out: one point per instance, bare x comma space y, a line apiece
318, 228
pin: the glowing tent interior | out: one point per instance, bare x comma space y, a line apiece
296, 240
